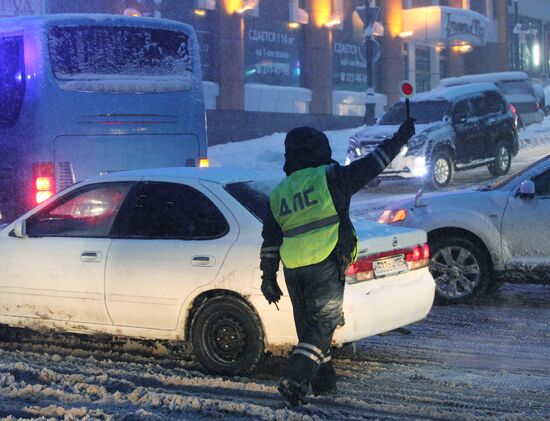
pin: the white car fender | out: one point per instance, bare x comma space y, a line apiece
483, 226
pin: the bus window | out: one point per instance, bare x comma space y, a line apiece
12, 79
115, 54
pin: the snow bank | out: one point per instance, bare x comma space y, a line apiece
267, 153
535, 134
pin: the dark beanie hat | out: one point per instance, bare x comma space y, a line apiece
306, 147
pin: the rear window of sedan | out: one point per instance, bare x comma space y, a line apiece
253, 195
423, 111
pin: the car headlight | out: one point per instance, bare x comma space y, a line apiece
390, 216
354, 149
419, 168
417, 141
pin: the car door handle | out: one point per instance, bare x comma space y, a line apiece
203, 261
91, 256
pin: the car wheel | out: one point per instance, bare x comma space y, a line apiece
460, 269
375, 182
503, 160
227, 336
441, 170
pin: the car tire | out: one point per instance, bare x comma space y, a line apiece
460, 268
503, 160
227, 336
441, 170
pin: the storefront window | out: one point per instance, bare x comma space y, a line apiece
421, 3
349, 66
422, 64
478, 6
271, 51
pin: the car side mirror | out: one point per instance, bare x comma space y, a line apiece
526, 189
19, 229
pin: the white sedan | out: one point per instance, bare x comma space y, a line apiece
174, 254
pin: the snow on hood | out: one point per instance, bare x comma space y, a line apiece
380, 132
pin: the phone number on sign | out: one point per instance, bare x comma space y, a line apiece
353, 77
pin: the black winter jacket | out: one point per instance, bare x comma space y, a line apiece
343, 182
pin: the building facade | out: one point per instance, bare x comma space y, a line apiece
275, 63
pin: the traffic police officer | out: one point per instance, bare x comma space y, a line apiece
307, 227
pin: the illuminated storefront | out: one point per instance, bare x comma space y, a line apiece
434, 34
308, 57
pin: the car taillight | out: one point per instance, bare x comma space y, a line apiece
43, 175
363, 269
418, 257
514, 114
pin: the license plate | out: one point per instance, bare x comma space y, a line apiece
389, 266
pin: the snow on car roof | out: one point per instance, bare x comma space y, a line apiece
483, 77
450, 93
223, 175
91, 19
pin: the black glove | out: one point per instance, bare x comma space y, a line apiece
271, 290
406, 130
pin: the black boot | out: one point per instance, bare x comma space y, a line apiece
324, 381
292, 391
294, 384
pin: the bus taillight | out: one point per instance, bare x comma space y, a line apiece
43, 175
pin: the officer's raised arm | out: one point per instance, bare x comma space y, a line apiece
356, 175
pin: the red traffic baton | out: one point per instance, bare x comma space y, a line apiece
407, 89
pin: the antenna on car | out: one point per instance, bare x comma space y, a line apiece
419, 201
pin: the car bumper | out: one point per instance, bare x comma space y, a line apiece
405, 167
384, 304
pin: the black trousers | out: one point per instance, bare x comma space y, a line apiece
317, 294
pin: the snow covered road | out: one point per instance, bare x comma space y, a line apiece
463, 362
489, 361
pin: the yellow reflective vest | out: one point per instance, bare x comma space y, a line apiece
302, 206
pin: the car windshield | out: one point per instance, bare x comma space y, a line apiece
498, 184
423, 111
253, 195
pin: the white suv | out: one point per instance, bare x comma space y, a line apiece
480, 237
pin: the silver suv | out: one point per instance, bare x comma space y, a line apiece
516, 87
